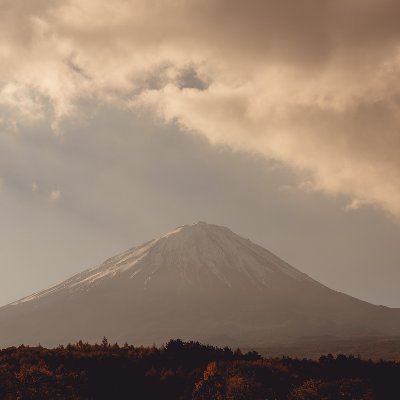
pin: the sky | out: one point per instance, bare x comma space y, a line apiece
121, 120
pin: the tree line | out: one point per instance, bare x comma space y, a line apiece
187, 371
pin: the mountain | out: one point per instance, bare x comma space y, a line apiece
199, 282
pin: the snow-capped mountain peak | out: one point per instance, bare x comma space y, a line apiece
197, 282
194, 254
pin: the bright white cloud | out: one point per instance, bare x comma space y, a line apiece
313, 84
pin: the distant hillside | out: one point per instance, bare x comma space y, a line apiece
367, 348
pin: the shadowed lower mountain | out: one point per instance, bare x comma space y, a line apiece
199, 282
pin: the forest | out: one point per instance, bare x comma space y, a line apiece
188, 370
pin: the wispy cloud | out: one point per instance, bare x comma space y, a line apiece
55, 196
313, 84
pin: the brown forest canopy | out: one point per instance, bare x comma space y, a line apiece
187, 370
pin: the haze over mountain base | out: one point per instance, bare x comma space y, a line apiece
198, 282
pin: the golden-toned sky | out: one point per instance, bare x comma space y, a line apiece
311, 85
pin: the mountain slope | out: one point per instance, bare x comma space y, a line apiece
200, 282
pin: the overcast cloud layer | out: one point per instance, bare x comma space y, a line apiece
311, 83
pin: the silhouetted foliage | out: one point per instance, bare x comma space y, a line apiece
187, 370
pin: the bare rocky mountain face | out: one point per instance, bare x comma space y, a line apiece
200, 282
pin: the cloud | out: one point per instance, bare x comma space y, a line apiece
55, 196
313, 84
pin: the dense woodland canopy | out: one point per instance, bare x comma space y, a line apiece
181, 370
